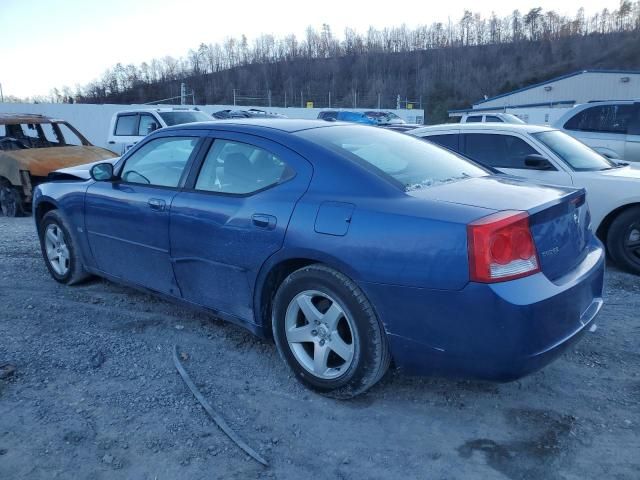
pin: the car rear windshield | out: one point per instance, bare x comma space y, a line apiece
575, 153
408, 162
178, 118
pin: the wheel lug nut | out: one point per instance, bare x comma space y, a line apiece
314, 332
321, 342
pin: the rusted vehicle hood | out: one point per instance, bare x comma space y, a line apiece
41, 161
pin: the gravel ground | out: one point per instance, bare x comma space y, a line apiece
95, 395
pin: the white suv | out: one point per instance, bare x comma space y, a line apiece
130, 126
490, 118
611, 128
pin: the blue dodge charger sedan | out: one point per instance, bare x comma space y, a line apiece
351, 246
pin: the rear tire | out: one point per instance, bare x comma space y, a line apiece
11, 203
59, 250
623, 240
328, 333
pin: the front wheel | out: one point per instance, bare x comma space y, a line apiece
623, 240
59, 251
10, 201
327, 332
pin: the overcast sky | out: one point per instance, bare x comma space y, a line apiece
51, 43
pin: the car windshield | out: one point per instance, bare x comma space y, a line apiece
177, 118
573, 152
406, 160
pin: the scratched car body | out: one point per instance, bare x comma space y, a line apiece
349, 245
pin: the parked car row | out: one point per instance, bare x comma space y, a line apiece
550, 156
350, 245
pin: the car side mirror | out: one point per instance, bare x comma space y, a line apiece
102, 172
537, 162
153, 126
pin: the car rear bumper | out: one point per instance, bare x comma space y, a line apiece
495, 332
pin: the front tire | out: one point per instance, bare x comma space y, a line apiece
328, 333
59, 250
623, 240
11, 203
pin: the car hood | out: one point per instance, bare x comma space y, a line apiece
632, 171
496, 192
81, 172
41, 161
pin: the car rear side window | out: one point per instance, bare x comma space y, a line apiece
240, 168
126, 125
494, 150
602, 118
474, 119
449, 140
407, 161
493, 118
160, 162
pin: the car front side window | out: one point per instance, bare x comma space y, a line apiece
499, 151
160, 162
602, 118
240, 168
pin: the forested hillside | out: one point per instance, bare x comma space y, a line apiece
443, 65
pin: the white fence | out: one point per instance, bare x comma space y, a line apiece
94, 121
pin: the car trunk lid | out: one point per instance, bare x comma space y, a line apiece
558, 216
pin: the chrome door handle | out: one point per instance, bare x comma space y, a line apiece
157, 204
262, 220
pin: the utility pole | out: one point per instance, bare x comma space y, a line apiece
301, 105
398, 102
269, 94
329, 98
285, 99
1, 94
378, 101
355, 102
234, 97
183, 94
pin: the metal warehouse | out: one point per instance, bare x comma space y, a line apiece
544, 102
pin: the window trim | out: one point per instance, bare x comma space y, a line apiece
185, 173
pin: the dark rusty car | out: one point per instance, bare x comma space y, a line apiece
32, 146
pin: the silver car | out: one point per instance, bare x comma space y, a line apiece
612, 128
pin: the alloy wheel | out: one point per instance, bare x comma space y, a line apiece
632, 242
57, 249
320, 334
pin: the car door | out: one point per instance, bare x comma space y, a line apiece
127, 219
632, 146
232, 217
507, 152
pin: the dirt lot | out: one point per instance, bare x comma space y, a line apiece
96, 395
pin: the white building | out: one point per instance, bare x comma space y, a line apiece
543, 103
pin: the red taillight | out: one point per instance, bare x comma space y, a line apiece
501, 248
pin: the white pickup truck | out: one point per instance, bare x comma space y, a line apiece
128, 127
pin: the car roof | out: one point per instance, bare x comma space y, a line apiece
160, 109
506, 127
281, 124
18, 118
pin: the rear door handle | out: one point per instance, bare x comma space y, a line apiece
262, 220
157, 204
